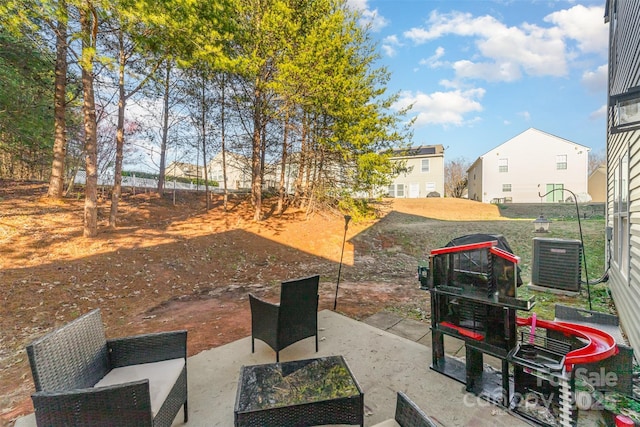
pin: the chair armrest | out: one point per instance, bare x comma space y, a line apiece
264, 316
408, 414
147, 348
124, 405
263, 309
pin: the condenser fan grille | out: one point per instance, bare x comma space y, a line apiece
556, 264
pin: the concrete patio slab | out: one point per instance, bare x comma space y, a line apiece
383, 320
382, 362
410, 329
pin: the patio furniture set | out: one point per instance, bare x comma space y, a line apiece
83, 379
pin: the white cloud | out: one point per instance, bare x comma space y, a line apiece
505, 53
369, 17
393, 40
389, 45
390, 51
443, 108
596, 81
434, 60
585, 25
450, 84
599, 113
525, 115
489, 71
457, 23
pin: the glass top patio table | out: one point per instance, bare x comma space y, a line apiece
299, 393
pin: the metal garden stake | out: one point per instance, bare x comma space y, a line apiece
347, 218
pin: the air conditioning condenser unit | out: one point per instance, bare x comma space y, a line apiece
556, 265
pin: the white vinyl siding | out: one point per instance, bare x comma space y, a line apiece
623, 161
620, 253
528, 162
419, 167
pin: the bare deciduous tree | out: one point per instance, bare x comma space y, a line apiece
596, 159
455, 177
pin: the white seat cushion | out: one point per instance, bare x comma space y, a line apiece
388, 423
161, 375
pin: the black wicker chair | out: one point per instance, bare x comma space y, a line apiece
408, 414
294, 319
83, 379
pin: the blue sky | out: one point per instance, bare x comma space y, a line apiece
480, 72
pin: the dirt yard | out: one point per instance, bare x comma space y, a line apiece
179, 266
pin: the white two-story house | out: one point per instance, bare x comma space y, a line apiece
528, 165
423, 175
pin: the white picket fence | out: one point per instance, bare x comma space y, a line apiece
133, 181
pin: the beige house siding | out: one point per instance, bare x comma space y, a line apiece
624, 274
597, 184
529, 164
474, 181
417, 182
623, 165
184, 170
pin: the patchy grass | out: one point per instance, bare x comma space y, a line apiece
416, 232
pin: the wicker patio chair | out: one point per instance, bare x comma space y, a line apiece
83, 379
294, 319
408, 414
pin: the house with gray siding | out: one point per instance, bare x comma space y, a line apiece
422, 172
623, 162
529, 164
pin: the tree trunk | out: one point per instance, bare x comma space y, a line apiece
56, 180
165, 130
223, 148
283, 165
89, 27
301, 162
117, 176
204, 142
256, 175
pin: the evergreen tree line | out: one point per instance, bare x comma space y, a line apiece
292, 86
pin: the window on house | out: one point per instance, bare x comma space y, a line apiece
620, 249
425, 166
399, 190
561, 162
503, 165
555, 193
506, 188
626, 110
